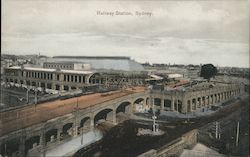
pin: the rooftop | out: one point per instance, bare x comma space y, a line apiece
94, 57
51, 70
102, 62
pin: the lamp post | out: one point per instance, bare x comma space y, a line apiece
154, 118
27, 95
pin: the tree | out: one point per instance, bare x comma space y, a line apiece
208, 71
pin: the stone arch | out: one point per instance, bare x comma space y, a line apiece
104, 114
50, 135
138, 100
11, 147
124, 107
139, 105
66, 129
85, 124
31, 142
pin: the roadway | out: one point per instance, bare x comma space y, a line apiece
30, 115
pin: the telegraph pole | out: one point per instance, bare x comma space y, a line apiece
216, 129
5, 148
44, 142
27, 95
76, 110
36, 96
237, 134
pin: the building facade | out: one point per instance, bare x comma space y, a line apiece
65, 80
186, 100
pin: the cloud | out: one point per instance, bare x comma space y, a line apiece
176, 31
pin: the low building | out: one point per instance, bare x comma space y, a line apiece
187, 97
62, 79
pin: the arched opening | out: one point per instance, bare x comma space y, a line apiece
212, 99
10, 148
57, 87
106, 114
122, 111
157, 102
95, 79
203, 101
139, 105
31, 143
179, 106
207, 100
51, 135
66, 87
67, 130
215, 98
84, 125
49, 86
193, 104
199, 102
167, 104
124, 107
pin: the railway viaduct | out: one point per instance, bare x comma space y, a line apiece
53, 131
45, 127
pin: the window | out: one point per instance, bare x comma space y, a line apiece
83, 78
75, 78
80, 79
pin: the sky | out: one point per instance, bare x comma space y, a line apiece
180, 32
